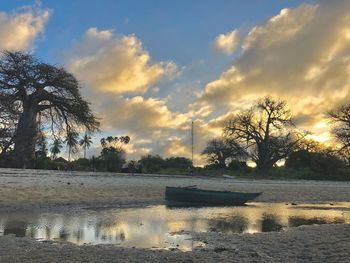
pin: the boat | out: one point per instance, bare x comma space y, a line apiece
193, 195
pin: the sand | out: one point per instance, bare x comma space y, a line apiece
35, 189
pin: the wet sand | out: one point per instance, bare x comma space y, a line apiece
35, 189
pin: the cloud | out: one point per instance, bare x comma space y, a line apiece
144, 117
20, 28
115, 64
301, 55
227, 43
154, 128
116, 72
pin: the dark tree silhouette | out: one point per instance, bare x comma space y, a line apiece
304, 154
29, 87
8, 116
112, 154
113, 144
340, 119
85, 142
72, 143
180, 163
152, 163
268, 132
220, 152
41, 146
56, 148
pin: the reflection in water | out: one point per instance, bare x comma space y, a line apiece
269, 223
232, 224
64, 235
162, 227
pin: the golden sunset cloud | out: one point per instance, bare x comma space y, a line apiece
301, 55
19, 29
115, 64
227, 43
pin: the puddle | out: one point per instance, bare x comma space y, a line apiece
161, 227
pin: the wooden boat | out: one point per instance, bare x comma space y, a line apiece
192, 195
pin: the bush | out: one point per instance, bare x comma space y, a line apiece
180, 163
111, 162
300, 159
81, 164
328, 166
237, 166
152, 163
321, 165
45, 164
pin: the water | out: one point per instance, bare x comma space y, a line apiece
161, 227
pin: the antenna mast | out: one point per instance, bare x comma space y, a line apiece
192, 141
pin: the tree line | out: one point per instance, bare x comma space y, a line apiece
266, 134
42, 110
41, 103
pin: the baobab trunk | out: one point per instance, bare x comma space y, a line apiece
264, 164
26, 135
263, 168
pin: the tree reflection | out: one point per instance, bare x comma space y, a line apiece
270, 223
79, 234
64, 234
234, 224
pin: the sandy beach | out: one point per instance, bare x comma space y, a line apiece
40, 190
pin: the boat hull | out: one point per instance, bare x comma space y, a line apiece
199, 197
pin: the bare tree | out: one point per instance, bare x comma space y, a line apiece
267, 131
340, 119
29, 87
222, 151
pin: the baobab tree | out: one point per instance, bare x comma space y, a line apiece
267, 131
7, 130
85, 142
29, 88
340, 119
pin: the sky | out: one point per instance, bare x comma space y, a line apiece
149, 68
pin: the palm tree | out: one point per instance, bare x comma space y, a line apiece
72, 143
56, 148
85, 142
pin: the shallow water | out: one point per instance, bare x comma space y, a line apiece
162, 227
